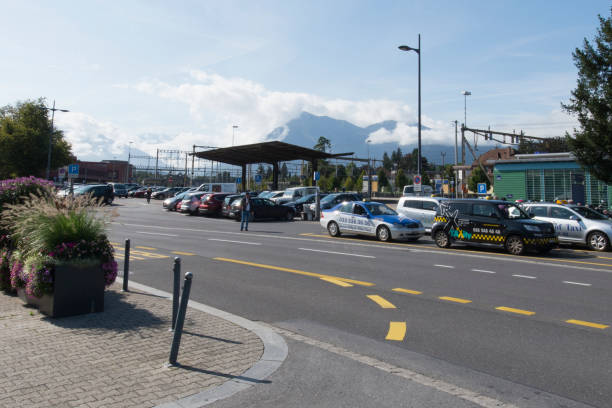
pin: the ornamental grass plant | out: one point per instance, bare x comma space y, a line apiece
46, 232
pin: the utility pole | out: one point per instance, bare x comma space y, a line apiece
456, 160
51, 137
192, 164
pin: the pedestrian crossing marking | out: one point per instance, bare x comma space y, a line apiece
183, 253
144, 247
397, 331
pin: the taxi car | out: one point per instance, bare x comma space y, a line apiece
575, 224
492, 222
370, 218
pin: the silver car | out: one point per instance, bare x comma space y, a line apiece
420, 208
575, 224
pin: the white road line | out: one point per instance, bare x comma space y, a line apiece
156, 233
577, 283
336, 253
235, 242
445, 266
524, 276
482, 270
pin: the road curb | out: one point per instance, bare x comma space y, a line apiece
275, 353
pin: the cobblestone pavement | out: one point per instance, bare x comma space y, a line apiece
115, 358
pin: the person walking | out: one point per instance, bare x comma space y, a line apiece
149, 192
245, 206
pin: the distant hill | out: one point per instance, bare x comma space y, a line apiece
347, 137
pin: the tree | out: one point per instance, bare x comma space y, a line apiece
591, 102
348, 184
382, 179
387, 162
477, 176
322, 144
358, 185
24, 140
551, 145
401, 180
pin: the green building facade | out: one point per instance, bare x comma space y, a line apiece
548, 177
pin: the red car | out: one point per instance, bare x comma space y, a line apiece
212, 204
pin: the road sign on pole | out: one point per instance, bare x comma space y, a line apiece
482, 188
258, 178
73, 170
417, 183
317, 175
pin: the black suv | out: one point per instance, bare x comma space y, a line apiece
491, 222
103, 192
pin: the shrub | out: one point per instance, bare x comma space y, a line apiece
5, 269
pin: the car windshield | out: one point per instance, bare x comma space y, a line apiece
305, 199
288, 193
588, 213
511, 211
329, 198
379, 209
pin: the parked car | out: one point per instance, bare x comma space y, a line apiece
491, 222
332, 200
294, 194
303, 202
138, 193
102, 192
212, 204
274, 194
420, 208
167, 192
425, 191
191, 202
263, 208
227, 204
120, 190
370, 218
217, 187
575, 224
171, 202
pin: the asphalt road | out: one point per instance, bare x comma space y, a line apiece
478, 318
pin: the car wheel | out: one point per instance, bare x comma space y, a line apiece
442, 240
333, 229
289, 216
515, 245
598, 241
383, 234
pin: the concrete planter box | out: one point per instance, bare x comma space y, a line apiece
77, 290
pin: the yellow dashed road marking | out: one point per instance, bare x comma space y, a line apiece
454, 299
296, 271
412, 292
513, 310
588, 324
397, 331
138, 258
337, 282
183, 253
148, 248
384, 303
149, 254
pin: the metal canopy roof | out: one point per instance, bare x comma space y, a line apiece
267, 152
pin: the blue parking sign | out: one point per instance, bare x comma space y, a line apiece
482, 188
73, 170
258, 178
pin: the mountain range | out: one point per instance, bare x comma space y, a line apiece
346, 137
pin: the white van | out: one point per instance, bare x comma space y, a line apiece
295, 193
425, 191
218, 187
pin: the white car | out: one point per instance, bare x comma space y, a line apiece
575, 224
370, 218
420, 208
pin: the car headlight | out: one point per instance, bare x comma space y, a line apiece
532, 228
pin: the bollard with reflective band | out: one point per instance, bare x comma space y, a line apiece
180, 319
176, 292
126, 266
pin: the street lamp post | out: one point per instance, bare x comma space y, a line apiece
369, 171
234, 127
51, 137
418, 51
127, 172
465, 95
443, 170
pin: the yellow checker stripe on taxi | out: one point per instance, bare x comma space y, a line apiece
488, 237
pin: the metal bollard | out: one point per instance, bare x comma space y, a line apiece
176, 290
126, 266
180, 320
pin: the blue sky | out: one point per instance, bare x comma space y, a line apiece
171, 74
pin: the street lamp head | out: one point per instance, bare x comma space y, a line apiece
63, 110
466, 93
407, 48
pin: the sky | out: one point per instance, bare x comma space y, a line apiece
169, 75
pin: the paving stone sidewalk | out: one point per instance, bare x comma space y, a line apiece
115, 358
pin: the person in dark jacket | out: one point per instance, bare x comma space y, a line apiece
148, 194
245, 208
